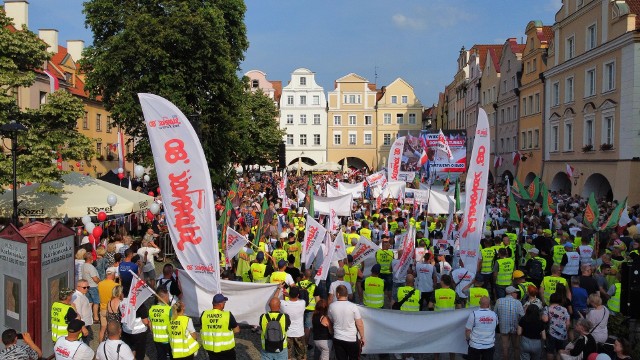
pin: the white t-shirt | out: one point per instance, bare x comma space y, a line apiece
457, 276
482, 323
88, 272
335, 284
295, 310
83, 307
149, 265
64, 349
110, 347
344, 314
424, 273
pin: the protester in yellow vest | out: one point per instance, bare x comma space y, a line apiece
412, 295
350, 249
182, 334
160, 319
444, 299
374, 289
476, 292
260, 272
558, 251
384, 257
277, 349
293, 247
279, 253
281, 276
502, 272
218, 329
314, 296
364, 229
614, 301
520, 283
549, 283
62, 312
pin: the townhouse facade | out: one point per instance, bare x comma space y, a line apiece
489, 85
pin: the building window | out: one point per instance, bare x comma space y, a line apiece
316, 99
394, 99
289, 119
352, 120
501, 116
367, 139
352, 99
290, 100
530, 139
316, 119
337, 120
386, 139
508, 144
337, 139
303, 80
588, 131
43, 97
609, 76
523, 136
568, 136
570, 48
607, 129
412, 119
530, 110
316, 139
255, 84
555, 94
387, 119
590, 83
303, 139
98, 122
591, 37
99, 148
303, 100
367, 120
534, 63
554, 138
352, 139
303, 119
109, 125
537, 102
524, 106
405, 99
85, 121
399, 119
502, 144
289, 139
568, 90
536, 138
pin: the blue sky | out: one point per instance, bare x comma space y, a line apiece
417, 40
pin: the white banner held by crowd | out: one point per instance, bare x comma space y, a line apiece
334, 192
313, 235
356, 189
185, 183
363, 250
378, 179
139, 292
341, 204
476, 193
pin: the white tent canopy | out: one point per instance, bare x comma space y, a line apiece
303, 166
79, 195
327, 166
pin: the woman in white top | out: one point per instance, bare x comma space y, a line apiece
599, 317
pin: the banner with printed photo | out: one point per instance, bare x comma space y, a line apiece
185, 184
457, 142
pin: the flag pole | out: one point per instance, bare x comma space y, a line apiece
150, 289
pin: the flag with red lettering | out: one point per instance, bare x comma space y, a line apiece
323, 270
408, 250
139, 292
185, 184
313, 235
341, 251
282, 186
235, 242
443, 145
476, 193
363, 250
395, 159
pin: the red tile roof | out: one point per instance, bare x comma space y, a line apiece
482, 51
546, 35
634, 7
495, 57
372, 87
277, 87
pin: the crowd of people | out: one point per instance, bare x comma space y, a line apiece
549, 285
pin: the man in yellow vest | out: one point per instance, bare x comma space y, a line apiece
444, 299
409, 294
314, 296
274, 349
374, 289
384, 257
281, 276
558, 251
182, 334
260, 272
364, 229
218, 329
350, 249
293, 247
353, 275
521, 284
614, 301
487, 259
160, 319
62, 312
502, 272
549, 283
279, 253
476, 291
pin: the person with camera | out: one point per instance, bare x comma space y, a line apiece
14, 351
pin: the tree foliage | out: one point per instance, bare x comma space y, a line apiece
187, 51
51, 128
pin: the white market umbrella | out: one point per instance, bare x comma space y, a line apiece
79, 195
327, 166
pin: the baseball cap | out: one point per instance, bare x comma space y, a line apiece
376, 269
260, 256
219, 298
568, 244
283, 235
110, 271
518, 274
510, 290
75, 325
282, 263
534, 251
64, 292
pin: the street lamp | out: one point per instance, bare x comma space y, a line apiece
12, 128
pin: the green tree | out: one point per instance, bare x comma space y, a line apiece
51, 128
187, 51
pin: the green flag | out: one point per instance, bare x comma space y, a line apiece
547, 201
514, 212
534, 189
263, 211
614, 218
591, 213
457, 194
310, 196
226, 214
519, 189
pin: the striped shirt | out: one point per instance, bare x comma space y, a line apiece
18, 352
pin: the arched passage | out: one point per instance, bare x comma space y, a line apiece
561, 183
354, 162
507, 174
599, 186
305, 160
529, 179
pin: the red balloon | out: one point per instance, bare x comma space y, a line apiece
97, 232
158, 190
150, 215
102, 216
77, 164
92, 240
151, 193
120, 176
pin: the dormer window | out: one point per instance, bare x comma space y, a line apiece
254, 84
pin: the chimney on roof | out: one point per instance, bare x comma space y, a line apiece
49, 36
74, 48
18, 10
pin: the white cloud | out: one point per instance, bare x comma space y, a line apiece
447, 16
553, 6
405, 22
438, 14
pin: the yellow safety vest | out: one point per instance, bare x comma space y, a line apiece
159, 317
614, 302
263, 325
475, 294
524, 288
215, 332
384, 258
393, 226
488, 254
366, 233
373, 292
58, 320
445, 299
350, 250
182, 343
257, 272
505, 271
558, 251
311, 288
278, 277
549, 283
280, 254
413, 302
294, 249
351, 275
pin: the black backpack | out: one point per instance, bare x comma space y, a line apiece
535, 269
273, 334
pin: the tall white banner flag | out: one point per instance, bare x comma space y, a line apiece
139, 292
185, 183
235, 242
395, 159
313, 235
475, 193
408, 251
363, 250
323, 270
341, 250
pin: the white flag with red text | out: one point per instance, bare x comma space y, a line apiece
408, 251
185, 184
395, 159
235, 242
341, 250
476, 193
139, 292
363, 250
443, 145
313, 235
323, 270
